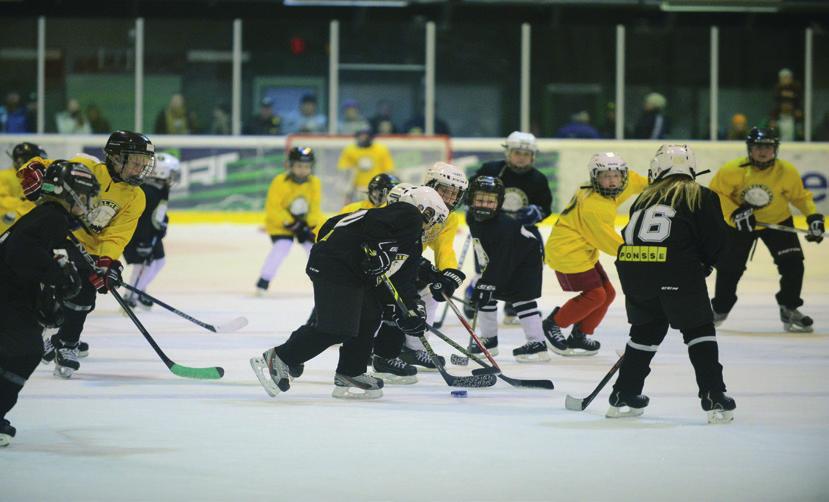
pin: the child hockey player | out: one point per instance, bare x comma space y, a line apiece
585, 227
13, 200
292, 211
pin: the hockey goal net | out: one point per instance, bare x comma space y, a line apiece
412, 156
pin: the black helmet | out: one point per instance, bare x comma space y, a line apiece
24, 152
301, 154
379, 187
119, 146
70, 183
762, 136
485, 184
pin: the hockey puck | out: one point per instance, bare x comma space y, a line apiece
458, 393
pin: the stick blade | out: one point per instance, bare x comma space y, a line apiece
213, 373
474, 381
232, 325
573, 404
490, 370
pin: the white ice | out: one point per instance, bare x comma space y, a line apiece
124, 428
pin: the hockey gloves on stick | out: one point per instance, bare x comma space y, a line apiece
447, 282
376, 262
483, 293
744, 219
31, 179
816, 227
108, 274
413, 322
529, 215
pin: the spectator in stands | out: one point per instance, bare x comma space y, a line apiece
822, 130
72, 120
653, 123
307, 119
382, 122
417, 123
738, 130
608, 127
220, 125
353, 119
578, 128
13, 117
789, 90
266, 122
783, 118
175, 118
98, 123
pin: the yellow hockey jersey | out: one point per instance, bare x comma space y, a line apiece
586, 227
441, 238
781, 181
12, 203
356, 206
288, 200
366, 162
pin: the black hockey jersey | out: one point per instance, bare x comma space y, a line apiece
337, 255
668, 250
522, 189
153, 221
511, 256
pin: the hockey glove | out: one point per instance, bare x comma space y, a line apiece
304, 234
450, 279
48, 308
31, 179
483, 293
744, 219
144, 250
426, 274
816, 227
413, 322
529, 215
108, 274
68, 282
376, 262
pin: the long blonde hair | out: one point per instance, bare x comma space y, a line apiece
672, 190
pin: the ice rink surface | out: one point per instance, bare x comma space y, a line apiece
125, 428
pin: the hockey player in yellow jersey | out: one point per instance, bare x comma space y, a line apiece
107, 229
363, 160
585, 227
292, 211
13, 202
757, 189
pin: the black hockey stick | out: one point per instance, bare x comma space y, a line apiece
515, 382
232, 325
212, 373
461, 259
451, 380
574, 404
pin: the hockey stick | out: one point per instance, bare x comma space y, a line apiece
515, 382
782, 228
230, 326
574, 404
462, 258
451, 380
212, 373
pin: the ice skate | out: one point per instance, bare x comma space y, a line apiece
795, 322
357, 387
719, 406
623, 404
531, 352
510, 316
48, 350
419, 359
394, 371
66, 359
579, 344
83, 350
491, 345
7, 432
272, 372
552, 332
296, 371
262, 287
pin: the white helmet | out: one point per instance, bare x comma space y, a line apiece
449, 176
518, 140
397, 191
428, 202
167, 167
672, 160
607, 161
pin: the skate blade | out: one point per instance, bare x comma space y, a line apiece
392, 379
720, 416
5, 440
574, 352
493, 352
540, 357
356, 393
793, 328
260, 367
260, 293
83, 354
623, 412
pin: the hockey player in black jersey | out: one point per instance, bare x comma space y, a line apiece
675, 235
145, 250
527, 195
512, 256
36, 276
346, 297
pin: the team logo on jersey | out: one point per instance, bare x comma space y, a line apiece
757, 195
514, 199
298, 207
100, 217
365, 164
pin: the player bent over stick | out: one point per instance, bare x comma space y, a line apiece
584, 228
675, 235
346, 294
